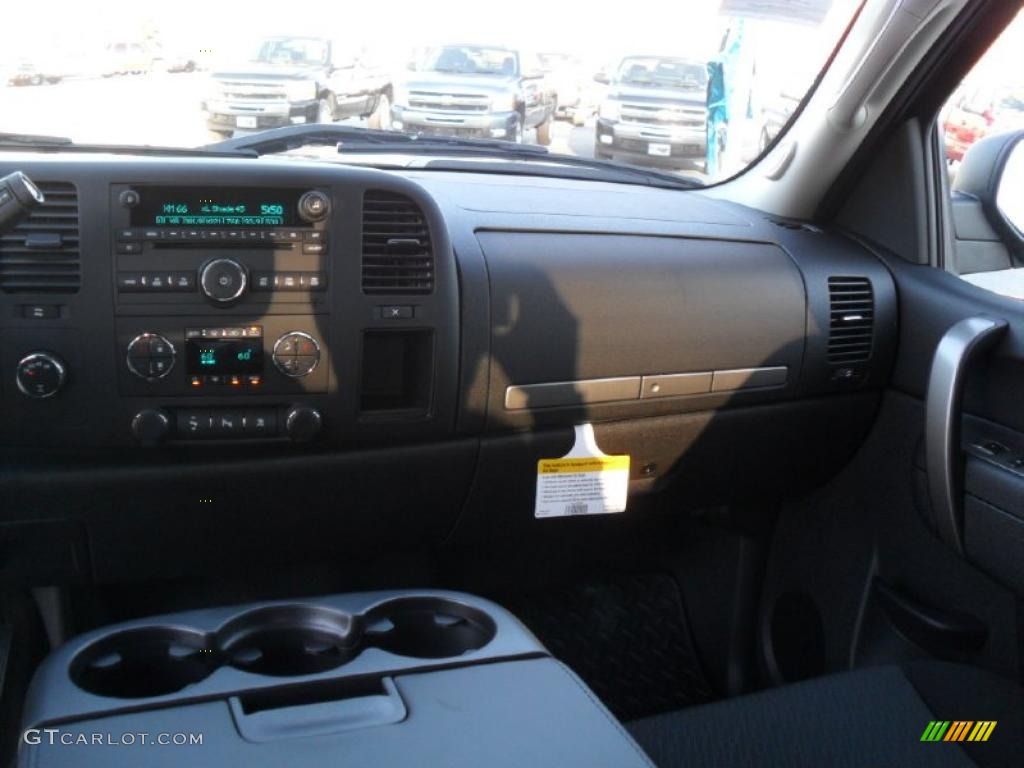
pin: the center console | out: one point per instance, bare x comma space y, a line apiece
262, 306
387, 679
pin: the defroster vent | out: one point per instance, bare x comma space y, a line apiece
398, 258
851, 320
40, 254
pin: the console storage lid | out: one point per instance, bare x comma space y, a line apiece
528, 712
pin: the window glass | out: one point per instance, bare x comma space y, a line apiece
989, 102
694, 88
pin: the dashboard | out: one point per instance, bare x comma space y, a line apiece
177, 334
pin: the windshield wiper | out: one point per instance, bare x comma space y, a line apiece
34, 140
353, 140
38, 142
350, 138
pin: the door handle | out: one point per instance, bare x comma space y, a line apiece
943, 460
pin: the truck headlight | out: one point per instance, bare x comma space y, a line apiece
302, 90
504, 102
610, 110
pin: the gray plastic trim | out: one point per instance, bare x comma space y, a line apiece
562, 393
673, 384
953, 354
618, 389
749, 378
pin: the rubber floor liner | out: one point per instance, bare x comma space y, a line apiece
627, 637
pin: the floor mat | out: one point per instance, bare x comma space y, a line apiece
626, 636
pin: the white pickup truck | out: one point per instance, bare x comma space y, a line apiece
295, 80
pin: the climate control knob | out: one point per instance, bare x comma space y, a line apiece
150, 426
302, 423
223, 280
296, 354
150, 356
40, 375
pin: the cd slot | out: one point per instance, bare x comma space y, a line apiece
180, 245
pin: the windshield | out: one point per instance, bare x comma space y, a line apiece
293, 51
696, 89
663, 73
470, 60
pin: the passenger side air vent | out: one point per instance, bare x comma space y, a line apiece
41, 254
397, 255
851, 320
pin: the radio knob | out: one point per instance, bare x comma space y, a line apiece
150, 356
314, 205
223, 280
150, 426
302, 423
40, 375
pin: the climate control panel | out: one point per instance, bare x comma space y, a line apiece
179, 356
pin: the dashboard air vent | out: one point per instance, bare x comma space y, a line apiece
397, 254
851, 320
40, 254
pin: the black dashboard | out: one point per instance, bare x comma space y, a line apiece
175, 325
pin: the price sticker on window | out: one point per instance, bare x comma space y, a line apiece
586, 481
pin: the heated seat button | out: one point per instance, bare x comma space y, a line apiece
304, 345
160, 347
159, 367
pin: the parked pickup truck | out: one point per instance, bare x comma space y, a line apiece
294, 80
655, 112
473, 90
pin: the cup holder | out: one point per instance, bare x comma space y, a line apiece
279, 641
288, 640
137, 663
427, 628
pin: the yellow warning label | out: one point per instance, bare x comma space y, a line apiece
582, 464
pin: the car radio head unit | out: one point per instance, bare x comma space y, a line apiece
216, 207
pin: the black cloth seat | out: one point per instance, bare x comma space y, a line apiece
869, 717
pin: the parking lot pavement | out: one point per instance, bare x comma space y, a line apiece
157, 108
162, 109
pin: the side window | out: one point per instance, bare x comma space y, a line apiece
982, 126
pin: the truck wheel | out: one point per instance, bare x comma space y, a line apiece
380, 119
544, 132
325, 109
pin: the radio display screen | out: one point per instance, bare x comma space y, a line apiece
223, 356
216, 207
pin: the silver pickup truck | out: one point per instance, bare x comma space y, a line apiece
295, 80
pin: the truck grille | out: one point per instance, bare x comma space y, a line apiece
242, 91
448, 102
660, 114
